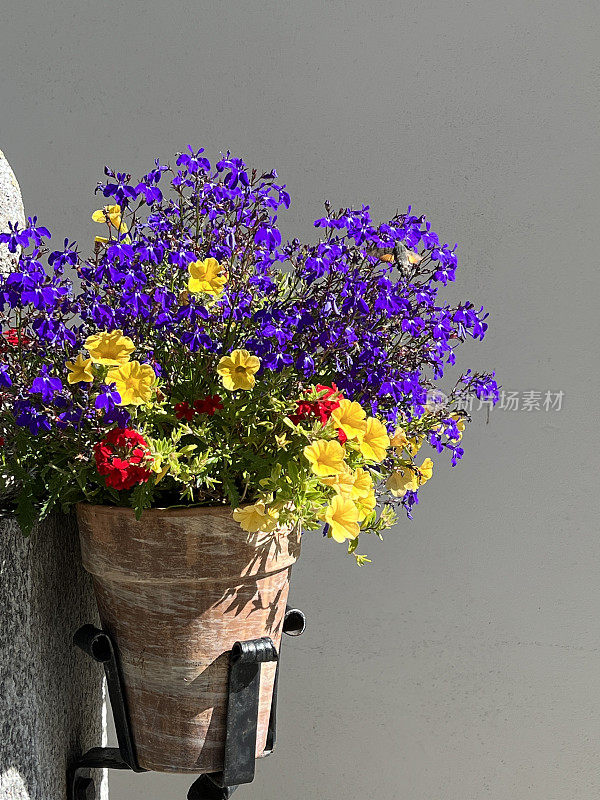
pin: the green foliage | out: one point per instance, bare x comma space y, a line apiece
141, 498
248, 451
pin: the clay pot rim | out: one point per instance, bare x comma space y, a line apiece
221, 510
90, 515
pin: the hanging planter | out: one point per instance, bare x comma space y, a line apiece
206, 393
175, 591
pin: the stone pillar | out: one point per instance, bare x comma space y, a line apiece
11, 210
51, 694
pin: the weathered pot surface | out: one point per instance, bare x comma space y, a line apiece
176, 590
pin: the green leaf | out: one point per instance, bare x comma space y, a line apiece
353, 544
141, 498
26, 512
293, 471
233, 496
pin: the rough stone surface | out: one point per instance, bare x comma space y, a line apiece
11, 209
51, 695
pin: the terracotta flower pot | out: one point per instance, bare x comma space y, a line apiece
175, 590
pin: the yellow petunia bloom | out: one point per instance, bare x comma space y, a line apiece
206, 276
375, 441
80, 370
402, 481
133, 381
366, 505
342, 516
425, 470
237, 370
109, 347
257, 517
325, 457
350, 417
112, 215
343, 482
362, 485
414, 444
399, 440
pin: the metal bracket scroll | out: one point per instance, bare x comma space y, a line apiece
246, 659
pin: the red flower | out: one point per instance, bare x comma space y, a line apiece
329, 391
304, 409
321, 408
123, 457
12, 337
327, 406
209, 405
184, 411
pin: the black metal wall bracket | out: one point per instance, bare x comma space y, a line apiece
245, 663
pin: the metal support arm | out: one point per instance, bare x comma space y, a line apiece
245, 663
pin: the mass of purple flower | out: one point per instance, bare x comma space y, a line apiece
360, 305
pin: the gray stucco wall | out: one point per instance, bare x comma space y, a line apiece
465, 662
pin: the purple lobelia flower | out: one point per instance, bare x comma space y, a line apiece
45, 385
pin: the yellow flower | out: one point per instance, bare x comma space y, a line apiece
343, 482
399, 440
112, 215
256, 517
366, 505
350, 417
325, 457
409, 478
357, 485
402, 481
206, 276
110, 348
133, 382
414, 444
375, 441
237, 370
425, 470
342, 517
80, 370
363, 484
